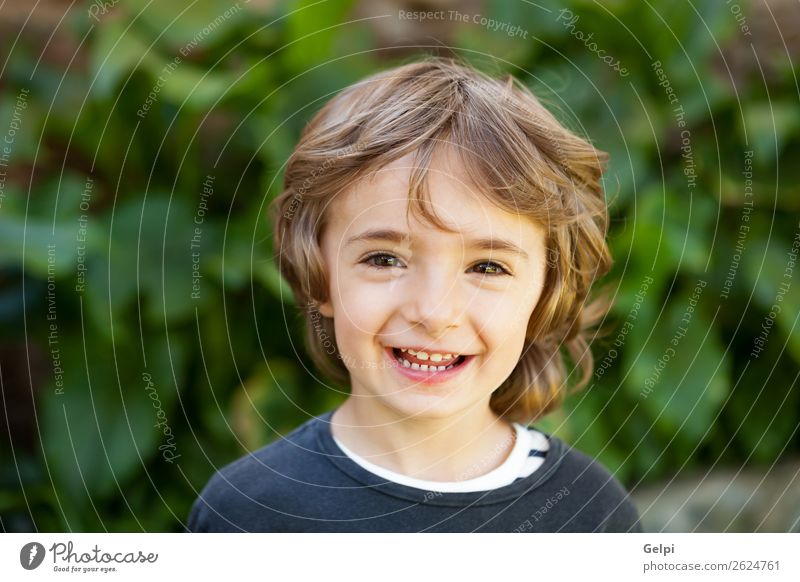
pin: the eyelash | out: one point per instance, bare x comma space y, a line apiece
368, 258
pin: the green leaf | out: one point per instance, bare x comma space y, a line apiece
769, 271
259, 405
769, 126
196, 88
313, 26
680, 376
116, 51
150, 259
592, 434
195, 27
43, 248
104, 425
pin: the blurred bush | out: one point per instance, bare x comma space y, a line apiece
146, 337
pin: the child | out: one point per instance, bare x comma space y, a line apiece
444, 230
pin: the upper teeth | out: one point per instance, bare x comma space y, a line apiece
434, 357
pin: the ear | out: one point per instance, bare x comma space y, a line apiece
326, 309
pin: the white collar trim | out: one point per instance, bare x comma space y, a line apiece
512, 468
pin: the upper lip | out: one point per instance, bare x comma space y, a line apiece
430, 350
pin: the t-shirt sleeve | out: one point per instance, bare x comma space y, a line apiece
605, 504
198, 519
624, 518
218, 507
239, 498
203, 516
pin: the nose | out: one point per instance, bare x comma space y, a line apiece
435, 301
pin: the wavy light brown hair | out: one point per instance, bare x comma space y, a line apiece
516, 154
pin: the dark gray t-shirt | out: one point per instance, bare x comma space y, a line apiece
306, 483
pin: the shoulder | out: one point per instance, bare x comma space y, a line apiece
262, 483
601, 498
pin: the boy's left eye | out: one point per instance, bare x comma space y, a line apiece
492, 268
383, 260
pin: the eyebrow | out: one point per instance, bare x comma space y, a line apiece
397, 237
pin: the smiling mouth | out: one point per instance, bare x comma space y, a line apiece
408, 361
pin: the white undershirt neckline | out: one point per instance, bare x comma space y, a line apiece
525, 457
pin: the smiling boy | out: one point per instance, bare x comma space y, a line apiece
445, 229
401, 285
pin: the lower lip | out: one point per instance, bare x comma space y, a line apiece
424, 377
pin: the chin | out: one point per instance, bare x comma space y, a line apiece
424, 407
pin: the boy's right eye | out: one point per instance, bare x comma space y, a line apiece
381, 260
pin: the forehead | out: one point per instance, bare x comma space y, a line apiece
381, 200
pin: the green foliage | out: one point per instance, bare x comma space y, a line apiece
217, 332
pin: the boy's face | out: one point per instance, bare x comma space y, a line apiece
436, 291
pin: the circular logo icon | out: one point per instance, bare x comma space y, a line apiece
31, 555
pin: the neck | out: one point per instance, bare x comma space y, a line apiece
433, 449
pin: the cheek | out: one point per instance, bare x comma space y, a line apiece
505, 313
503, 325
362, 308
